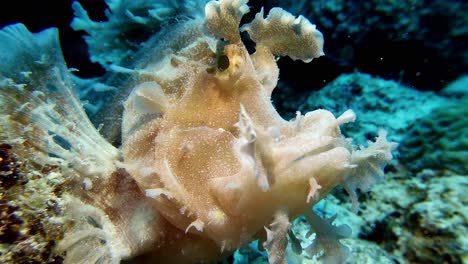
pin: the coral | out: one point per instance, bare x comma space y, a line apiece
206, 162
440, 140
9, 168
421, 220
31, 208
437, 224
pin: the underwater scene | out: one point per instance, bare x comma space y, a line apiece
234, 131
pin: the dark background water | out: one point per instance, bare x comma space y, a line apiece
397, 57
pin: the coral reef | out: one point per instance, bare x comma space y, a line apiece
424, 221
439, 141
206, 162
31, 206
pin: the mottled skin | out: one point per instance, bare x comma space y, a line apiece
186, 138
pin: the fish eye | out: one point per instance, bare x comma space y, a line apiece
222, 62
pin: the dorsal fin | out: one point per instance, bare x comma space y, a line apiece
37, 98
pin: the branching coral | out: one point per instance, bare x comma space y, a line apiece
206, 161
